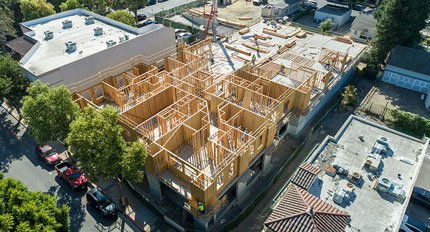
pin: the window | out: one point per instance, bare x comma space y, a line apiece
355, 32
366, 30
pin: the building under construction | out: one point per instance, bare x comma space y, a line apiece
210, 132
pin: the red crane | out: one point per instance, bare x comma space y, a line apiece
212, 14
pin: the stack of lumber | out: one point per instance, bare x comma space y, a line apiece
269, 29
290, 43
263, 43
254, 47
244, 31
343, 39
293, 33
238, 50
301, 34
265, 31
245, 18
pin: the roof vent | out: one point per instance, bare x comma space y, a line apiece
49, 35
89, 20
110, 43
384, 185
67, 24
98, 31
71, 46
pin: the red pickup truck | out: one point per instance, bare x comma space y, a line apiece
71, 175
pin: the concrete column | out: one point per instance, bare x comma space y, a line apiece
200, 223
267, 166
154, 186
293, 124
241, 192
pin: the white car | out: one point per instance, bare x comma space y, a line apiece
184, 35
257, 2
412, 225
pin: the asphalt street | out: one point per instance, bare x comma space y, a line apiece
18, 160
161, 6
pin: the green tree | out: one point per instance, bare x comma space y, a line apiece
15, 7
70, 5
48, 112
101, 149
13, 83
6, 26
398, 23
326, 25
349, 96
23, 210
123, 17
33, 9
134, 5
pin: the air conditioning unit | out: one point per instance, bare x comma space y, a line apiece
110, 43
71, 46
340, 196
354, 177
67, 24
384, 185
383, 140
98, 31
49, 35
89, 20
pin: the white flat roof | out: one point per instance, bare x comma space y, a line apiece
52, 53
370, 210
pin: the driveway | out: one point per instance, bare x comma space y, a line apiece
18, 160
162, 6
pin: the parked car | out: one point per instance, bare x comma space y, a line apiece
103, 204
257, 2
178, 31
71, 175
141, 16
421, 196
311, 4
358, 7
184, 35
148, 22
48, 154
152, 2
412, 225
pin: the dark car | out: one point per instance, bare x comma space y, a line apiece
421, 196
141, 16
48, 154
102, 203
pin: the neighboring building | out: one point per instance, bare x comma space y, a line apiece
363, 26
301, 211
280, 8
369, 173
76, 44
408, 68
339, 15
20, 46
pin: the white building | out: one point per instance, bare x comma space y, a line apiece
363, 26
280, 8
76, 44
339, 15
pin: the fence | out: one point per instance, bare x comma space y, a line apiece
179, 9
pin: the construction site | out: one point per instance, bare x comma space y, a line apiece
210, 115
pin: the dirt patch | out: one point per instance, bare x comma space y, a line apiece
237, 10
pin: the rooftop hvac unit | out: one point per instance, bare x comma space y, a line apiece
71, 46
384, 185
379, 148
98, 31
67, 24
398, 193
89, 20
372, 162
49, 35
110, 43
383, 140
123, 38
340, 196
354, 177
341, 168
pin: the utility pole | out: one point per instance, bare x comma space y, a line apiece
215, 13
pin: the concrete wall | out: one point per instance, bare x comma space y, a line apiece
280, 12
337, 20
407, 79
158, 43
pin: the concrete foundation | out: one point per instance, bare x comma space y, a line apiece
154, 186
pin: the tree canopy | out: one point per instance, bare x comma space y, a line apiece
13, 83
23, 210
48, 112
70, 5
33, 9
123, 17
6, 26
326, 25
100, 148
398, 23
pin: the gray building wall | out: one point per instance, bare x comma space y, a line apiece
407, 79
337, 20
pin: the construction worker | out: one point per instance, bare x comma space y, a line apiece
279, 46
255, 37
258, 50
327, 65
254, 58
201, 208
282, 67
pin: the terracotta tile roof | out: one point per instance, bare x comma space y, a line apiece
305, 175
300, 211
21, 45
